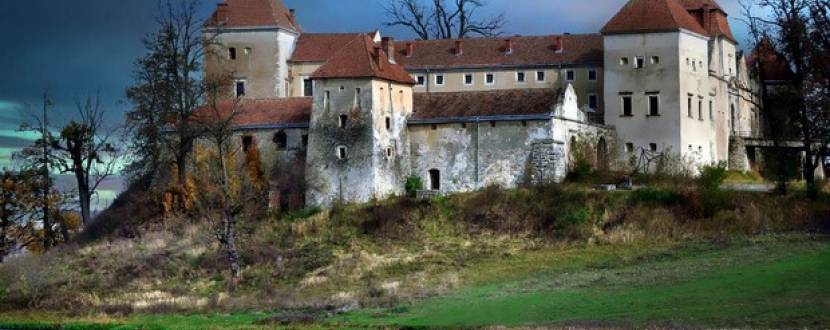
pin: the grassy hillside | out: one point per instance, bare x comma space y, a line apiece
543, 256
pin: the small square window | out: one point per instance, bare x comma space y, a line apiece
490, 79
468, 79
629, 147
439, 80
624, 61
655, 60
639, 63
592, 75
652, 147
520, 77
248, 51
492, 123
240, 88
232, 53
540, 75
420, 80
570, 75
342, 152
281, 140
343, 120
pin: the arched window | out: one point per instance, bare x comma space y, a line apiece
434, 179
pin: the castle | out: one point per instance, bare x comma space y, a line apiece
365, 112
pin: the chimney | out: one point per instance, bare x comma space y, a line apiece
378, 56
508, 47
221, 13
707, 17
388, 45
292, 15
410, 49
459, 47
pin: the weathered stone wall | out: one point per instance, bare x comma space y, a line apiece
738, 158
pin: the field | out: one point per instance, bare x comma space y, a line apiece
769, 281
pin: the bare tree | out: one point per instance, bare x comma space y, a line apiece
796, 30
168, 90
440, 20
86, 150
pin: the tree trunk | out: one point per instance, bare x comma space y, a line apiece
229, 230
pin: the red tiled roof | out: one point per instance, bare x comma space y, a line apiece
639, 16
718, 22
318, 47
490, 52
485, 103
251, 13
294, 110
771, 62
357, 59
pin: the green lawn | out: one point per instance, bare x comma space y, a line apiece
768, 282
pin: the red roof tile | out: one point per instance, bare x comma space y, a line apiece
718, 22
252, 13
362, 58
490, 52
771, 62
639, 16
294, 110
318, 47
485, 103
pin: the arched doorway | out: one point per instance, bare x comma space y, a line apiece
602, 154
434, 179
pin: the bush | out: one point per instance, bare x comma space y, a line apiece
712, 176
656, 197
413, 184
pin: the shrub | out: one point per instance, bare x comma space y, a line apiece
656, 197
712, 176
413, 184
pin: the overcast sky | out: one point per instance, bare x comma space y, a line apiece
74, 48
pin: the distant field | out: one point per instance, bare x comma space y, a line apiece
766, 282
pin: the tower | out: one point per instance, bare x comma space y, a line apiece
358, 147
253, 41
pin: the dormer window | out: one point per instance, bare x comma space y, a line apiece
639, 62
231, 53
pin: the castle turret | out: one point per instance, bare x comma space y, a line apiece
358, 146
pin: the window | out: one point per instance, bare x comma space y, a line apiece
434, 179
493, 123
689, 107
629, 147
652, 147
626, 105
232, 53
434, 127
305, 141
342, 152
281, 140
356, 101
520, 77
570, 75
592, 101
639, 62
308, 87
490, 79
468, 79
240, 88
700, 109
343, 121
248, 51
247, 142
694, 66
653, 105
421, 80
439, 80
388, 152
655, 60
327, 100
624, 61
592, 75
388, 123
540, 75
